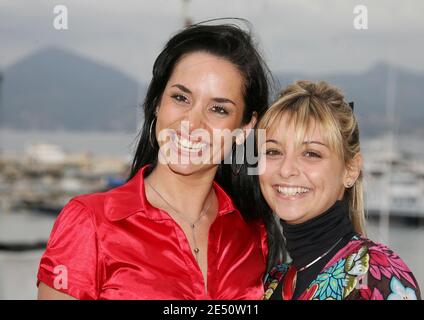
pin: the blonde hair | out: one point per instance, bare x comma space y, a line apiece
306, 102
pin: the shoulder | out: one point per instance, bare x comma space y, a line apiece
91, 202
377, 272
74, 219
384, 262
92, 208
85, 206
366, 270
112, 205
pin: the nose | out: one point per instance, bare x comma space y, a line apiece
289, 167
194, 118
191, 121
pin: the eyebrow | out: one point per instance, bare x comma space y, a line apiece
315, 142
182, 88
305, 142
188, 91
272, 140
224, 100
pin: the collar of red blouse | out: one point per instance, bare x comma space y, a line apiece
130, 198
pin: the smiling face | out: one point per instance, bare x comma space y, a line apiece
301, 179
202, 99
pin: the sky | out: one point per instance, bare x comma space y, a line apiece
307, 36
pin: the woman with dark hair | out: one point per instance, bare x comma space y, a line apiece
172, 231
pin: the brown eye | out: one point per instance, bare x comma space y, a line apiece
220, 110
272, 152
312, 154
180, 98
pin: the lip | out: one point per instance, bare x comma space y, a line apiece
187, 137
298, 196
185, 151
285, 185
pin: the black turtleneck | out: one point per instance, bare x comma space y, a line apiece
307, 241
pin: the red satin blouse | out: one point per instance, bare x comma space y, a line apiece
115, 245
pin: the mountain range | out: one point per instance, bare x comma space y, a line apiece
386, 97
55, 89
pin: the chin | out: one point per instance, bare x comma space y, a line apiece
290, 217
291, 213
186, 169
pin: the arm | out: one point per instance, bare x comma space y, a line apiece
47, 293
70, 257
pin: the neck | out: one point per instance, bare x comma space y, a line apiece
187, 193
307, 241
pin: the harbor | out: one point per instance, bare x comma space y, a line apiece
44, 178
39, 173
37, 179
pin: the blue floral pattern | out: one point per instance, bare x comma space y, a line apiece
330, 282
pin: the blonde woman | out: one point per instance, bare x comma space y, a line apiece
312, 180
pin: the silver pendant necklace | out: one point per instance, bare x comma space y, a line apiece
321, 256
193, 224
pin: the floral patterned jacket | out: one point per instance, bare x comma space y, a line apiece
362, 270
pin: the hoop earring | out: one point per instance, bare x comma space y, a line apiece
150, 132
233, 156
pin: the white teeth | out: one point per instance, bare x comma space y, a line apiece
188, 144
291, 191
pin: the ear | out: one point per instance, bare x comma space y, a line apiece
353, 170
247, 128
